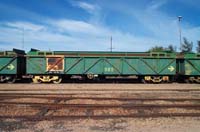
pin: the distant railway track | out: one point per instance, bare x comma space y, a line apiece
99, 96
54, 106
104, 89
35, 118
125, 111
50, 97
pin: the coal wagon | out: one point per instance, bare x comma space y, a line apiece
189, 67
12, 65
53, 66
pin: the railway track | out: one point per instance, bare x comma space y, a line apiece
61, 107
35, 118
105, 89
57, 97
133, 106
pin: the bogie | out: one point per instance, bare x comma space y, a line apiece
8, 79
156, 79
46, 79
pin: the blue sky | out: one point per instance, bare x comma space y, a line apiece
135, 25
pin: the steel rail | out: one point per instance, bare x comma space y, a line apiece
93, 93
64, 117
53, 105
99, 98
95, 89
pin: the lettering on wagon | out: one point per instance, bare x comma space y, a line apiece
109, 69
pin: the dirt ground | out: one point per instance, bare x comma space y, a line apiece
172, 124
106, 125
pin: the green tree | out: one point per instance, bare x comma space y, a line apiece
198, 46
171, 48
157, 49
186, 46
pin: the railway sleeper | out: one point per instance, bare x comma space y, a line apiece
45, 110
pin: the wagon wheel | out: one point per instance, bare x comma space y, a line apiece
2, 79
11, 80
187, 81
35, 80
144, 81
197, 80
90, 76
57, 81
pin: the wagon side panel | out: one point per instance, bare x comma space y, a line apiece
36, 65
8, 65
192, 67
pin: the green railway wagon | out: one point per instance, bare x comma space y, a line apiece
53, 66
12, 65
191, 67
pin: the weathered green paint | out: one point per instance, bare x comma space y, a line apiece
107, 65
120, 66
8, 65
192, 55
36, 65
192, 66
12, 62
